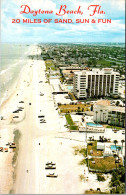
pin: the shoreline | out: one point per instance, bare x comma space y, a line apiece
10, 89
5, 110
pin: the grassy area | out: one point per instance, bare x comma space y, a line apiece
117, 182
61, 79
114, 127
73, 127
83, 162
103, 164
82, 151
69, 119
68, 108
83, 178
47, 75
95, 192
105, 63
17, 136
72, 96
78, 150
100, 177
49, 65
70, 122
94, 148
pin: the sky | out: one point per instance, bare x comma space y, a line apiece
62, 32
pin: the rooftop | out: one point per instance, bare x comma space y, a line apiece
73, 68
95, 71
103, 102
111, 108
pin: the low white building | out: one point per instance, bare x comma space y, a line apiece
113, 115
100, 146
100, 113
89, 126
93, 127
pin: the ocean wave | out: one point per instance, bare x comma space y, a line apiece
5, 96
18, 62
11, 66
4, 71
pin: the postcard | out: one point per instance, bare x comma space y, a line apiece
62, 97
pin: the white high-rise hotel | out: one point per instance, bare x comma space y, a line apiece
96, 83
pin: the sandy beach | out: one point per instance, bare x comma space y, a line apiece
56, 143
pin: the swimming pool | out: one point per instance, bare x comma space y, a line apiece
113, 147
69, 87
94, 125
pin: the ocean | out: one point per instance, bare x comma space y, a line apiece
12, 60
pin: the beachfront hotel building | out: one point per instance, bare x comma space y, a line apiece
113, 115
95, 83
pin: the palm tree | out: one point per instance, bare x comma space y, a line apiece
96, 115
119, 148
115, 142
114, 123
90, 138
111, 122
123, 120
115, 155
122, 144
116, 184
101, 114
78, 109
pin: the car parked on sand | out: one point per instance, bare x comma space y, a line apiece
41, 116
12, 146
5, 149
16, 111
123, 131
50, 166
1, 149
41, 94
21, 108
21, 102
50, 163
42, 121
52, 175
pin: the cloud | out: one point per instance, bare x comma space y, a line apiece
37, 4
61, 32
